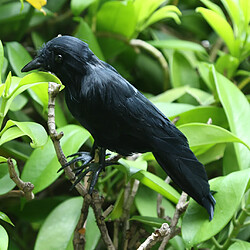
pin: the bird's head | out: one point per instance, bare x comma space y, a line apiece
61, 55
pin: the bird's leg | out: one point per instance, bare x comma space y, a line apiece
84, 157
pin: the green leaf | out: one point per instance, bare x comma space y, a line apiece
2, 159
227, 65
214, 7
150, 221
237, 110
144, 9
173, 109
18, 57
222, 27
58, 227
19, 102
1, 60
35, 131
169, 95
169, 11
5, 218
146, 203
7, 85
30, 81
43, 173
78, 6
201, 134
4, 239
92, 234
6, 184
177, 44
157, 184
202, 115
85, 33
240, 245
113, 17
182, 74
230, 189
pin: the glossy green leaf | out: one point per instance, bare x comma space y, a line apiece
173, 109
222, 27
85, 33
183, 74
169, 95
131, 167
118, 206
202, 115
4, 239
202, 97
214, 7
144, 8
44, 172
235, 13
35, 131
6, 184
78, 6
30, 81
237, 110
19, 102
240, 245
92, 234
5, 218
202, 134
150, 221
214, 153
18, 57
227, 65
1, 60
204, 71
146, 203
230, 189
230, 163
7, 84
60, 224
113, 17
177, 44
3, 159
157, 184
169, 11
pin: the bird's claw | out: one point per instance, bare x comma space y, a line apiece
95, 168
85, 157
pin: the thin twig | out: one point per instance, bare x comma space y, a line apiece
166, 232
96, 204
129, 196
137, 43
180, 209
156, 236
160, 209
26, 188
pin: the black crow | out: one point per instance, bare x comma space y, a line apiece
119, 117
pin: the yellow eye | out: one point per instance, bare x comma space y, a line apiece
58, 58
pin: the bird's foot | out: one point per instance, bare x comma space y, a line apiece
84, 157
95, 168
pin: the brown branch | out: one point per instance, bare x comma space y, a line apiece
96, 204
95, 201
129, 196
26, 188
156, 236
180, 209
166, 232
160, 209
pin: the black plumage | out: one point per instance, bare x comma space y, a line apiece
119, 117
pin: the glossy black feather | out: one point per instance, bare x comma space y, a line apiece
119, 117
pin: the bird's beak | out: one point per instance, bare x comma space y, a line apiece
36, 63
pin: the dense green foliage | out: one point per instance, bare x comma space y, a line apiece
190, 58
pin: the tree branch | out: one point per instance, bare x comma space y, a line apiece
26, 188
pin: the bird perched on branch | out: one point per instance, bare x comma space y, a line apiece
119, 117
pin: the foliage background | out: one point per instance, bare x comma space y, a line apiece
200, 80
